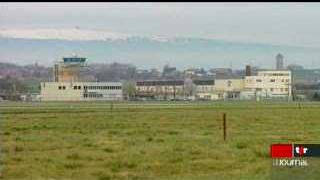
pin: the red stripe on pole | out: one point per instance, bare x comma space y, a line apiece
281, 151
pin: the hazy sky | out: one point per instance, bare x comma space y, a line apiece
278, 23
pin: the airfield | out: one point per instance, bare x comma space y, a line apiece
149, 140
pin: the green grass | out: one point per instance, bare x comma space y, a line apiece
149, 140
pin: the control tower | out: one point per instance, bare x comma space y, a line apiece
68, 70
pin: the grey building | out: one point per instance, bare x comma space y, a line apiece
279, 62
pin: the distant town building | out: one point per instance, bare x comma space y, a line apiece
294, 67
221, 71
155, 73
308, 76
279, 62
248, 70
170, 72
195, 72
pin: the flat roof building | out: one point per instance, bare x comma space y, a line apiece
272, 83
81, 91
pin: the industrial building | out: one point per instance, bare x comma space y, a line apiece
160, 89
67, 85
201, 89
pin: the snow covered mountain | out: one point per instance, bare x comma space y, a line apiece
71, 34
26, 46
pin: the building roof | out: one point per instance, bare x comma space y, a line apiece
203, 81
160, 83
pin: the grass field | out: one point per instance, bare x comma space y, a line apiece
180, 141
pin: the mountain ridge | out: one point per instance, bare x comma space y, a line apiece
147, 52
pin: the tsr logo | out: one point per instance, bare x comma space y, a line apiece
301, 150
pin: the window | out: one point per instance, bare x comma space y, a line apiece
63, 87
75, 87
60, 87
272, 80
79, 87
271, 89
258, 80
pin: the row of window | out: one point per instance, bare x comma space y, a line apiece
281, 89
274, 89
275, 74
92, 95
103, 87
92, 87
62, 87
273, 80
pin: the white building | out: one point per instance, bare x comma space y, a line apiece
160, 89
204, 89
219, 89
269, 84
80, 91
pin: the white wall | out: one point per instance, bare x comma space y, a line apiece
50, 91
